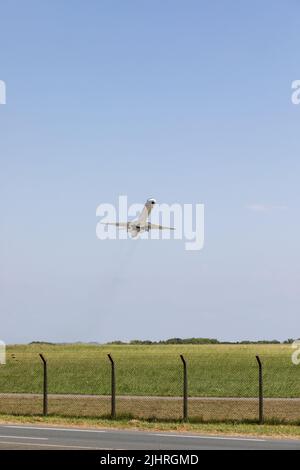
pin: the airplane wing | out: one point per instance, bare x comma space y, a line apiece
116, 224
160, 227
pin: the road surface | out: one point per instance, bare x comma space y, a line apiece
42, 437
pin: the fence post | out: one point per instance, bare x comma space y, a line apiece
113, 387
261, 391
185, 389
45, 386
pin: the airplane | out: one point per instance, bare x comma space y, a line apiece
141, 224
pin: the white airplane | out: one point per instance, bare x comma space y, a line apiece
141, 224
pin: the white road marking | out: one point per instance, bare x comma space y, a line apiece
52, 429
52, 445
209, 437
25, 437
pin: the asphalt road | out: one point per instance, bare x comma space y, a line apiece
42, 437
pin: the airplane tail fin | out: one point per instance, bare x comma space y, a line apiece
150, 203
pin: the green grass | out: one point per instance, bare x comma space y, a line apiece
213, 370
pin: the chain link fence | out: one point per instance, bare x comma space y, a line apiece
152, 386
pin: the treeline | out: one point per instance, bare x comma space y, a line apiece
172, 341
178, 341
199, 341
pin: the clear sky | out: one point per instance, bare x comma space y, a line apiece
184, 101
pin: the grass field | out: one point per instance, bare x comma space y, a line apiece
213, 370
222, 379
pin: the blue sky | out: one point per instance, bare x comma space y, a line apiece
182, 101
